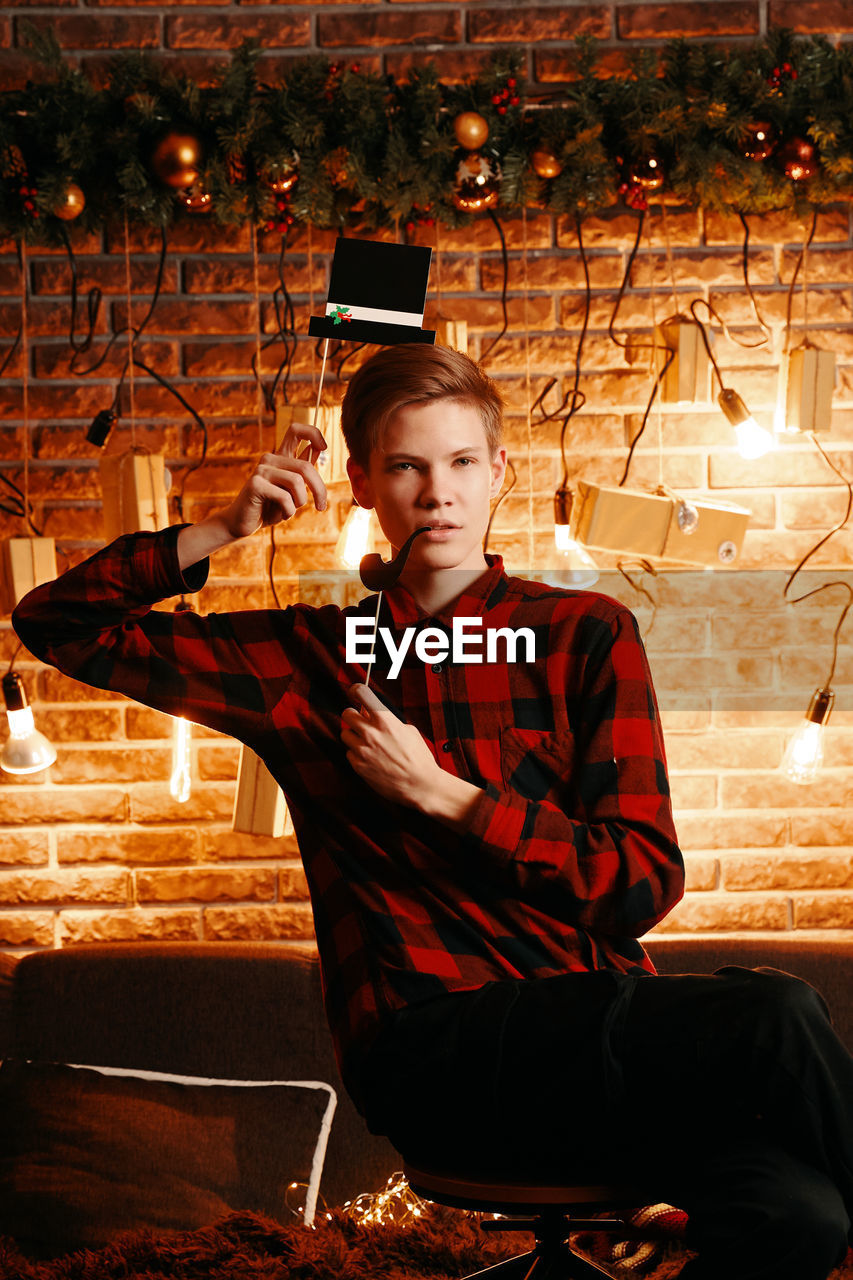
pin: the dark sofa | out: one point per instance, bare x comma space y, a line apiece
84, 1155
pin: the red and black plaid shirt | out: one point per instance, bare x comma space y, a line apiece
570, 852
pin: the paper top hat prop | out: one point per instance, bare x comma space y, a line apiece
377, 293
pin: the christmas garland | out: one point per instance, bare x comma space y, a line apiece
754, 128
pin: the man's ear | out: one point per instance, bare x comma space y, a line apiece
362, 490
498, 471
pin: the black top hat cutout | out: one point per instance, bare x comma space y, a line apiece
377, 293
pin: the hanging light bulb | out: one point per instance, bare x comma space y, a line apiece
753, 441
26, 750
576, 568
357, 538
180, 783
804, 753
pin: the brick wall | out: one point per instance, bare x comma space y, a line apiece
99, 850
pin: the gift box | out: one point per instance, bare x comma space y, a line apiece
332, 464
658, 525
686, 380
453, 334
24, 563
809, 387
134, 489
260, 808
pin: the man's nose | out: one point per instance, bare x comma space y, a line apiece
435, 491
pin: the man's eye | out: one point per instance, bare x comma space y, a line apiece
472, 460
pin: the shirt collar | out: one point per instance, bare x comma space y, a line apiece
470, 603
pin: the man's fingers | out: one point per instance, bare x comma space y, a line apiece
364, 696
289, 471
297, 434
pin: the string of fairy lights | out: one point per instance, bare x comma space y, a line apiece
499, 150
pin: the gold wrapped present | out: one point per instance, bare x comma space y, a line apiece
134, 489
658, 525
452, 333
24, 563
260, 808
809, 387
686, 380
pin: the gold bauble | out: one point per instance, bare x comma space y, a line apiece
798, 158
282, 176
478, 183
176, 160
647, 173
545, 164
71, 203
196, 199
758, 140
471, 130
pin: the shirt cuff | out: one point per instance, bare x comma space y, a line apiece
496, 821
171, 579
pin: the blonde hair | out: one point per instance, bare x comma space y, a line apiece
414, 373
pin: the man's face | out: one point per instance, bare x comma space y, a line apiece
433, 467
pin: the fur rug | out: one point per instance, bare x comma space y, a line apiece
446, 1243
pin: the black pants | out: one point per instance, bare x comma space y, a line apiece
727, 1094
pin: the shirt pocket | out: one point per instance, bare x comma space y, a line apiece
537, 763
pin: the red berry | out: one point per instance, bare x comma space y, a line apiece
410, 226
356, 67
496, 97
794, 75
429, 222
513, 102
786, 66
501, 111
512, 82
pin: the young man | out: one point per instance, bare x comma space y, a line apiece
485, 841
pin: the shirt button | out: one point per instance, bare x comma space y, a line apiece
437, 668
447, 746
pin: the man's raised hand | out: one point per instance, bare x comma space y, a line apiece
280, 483
278, 487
